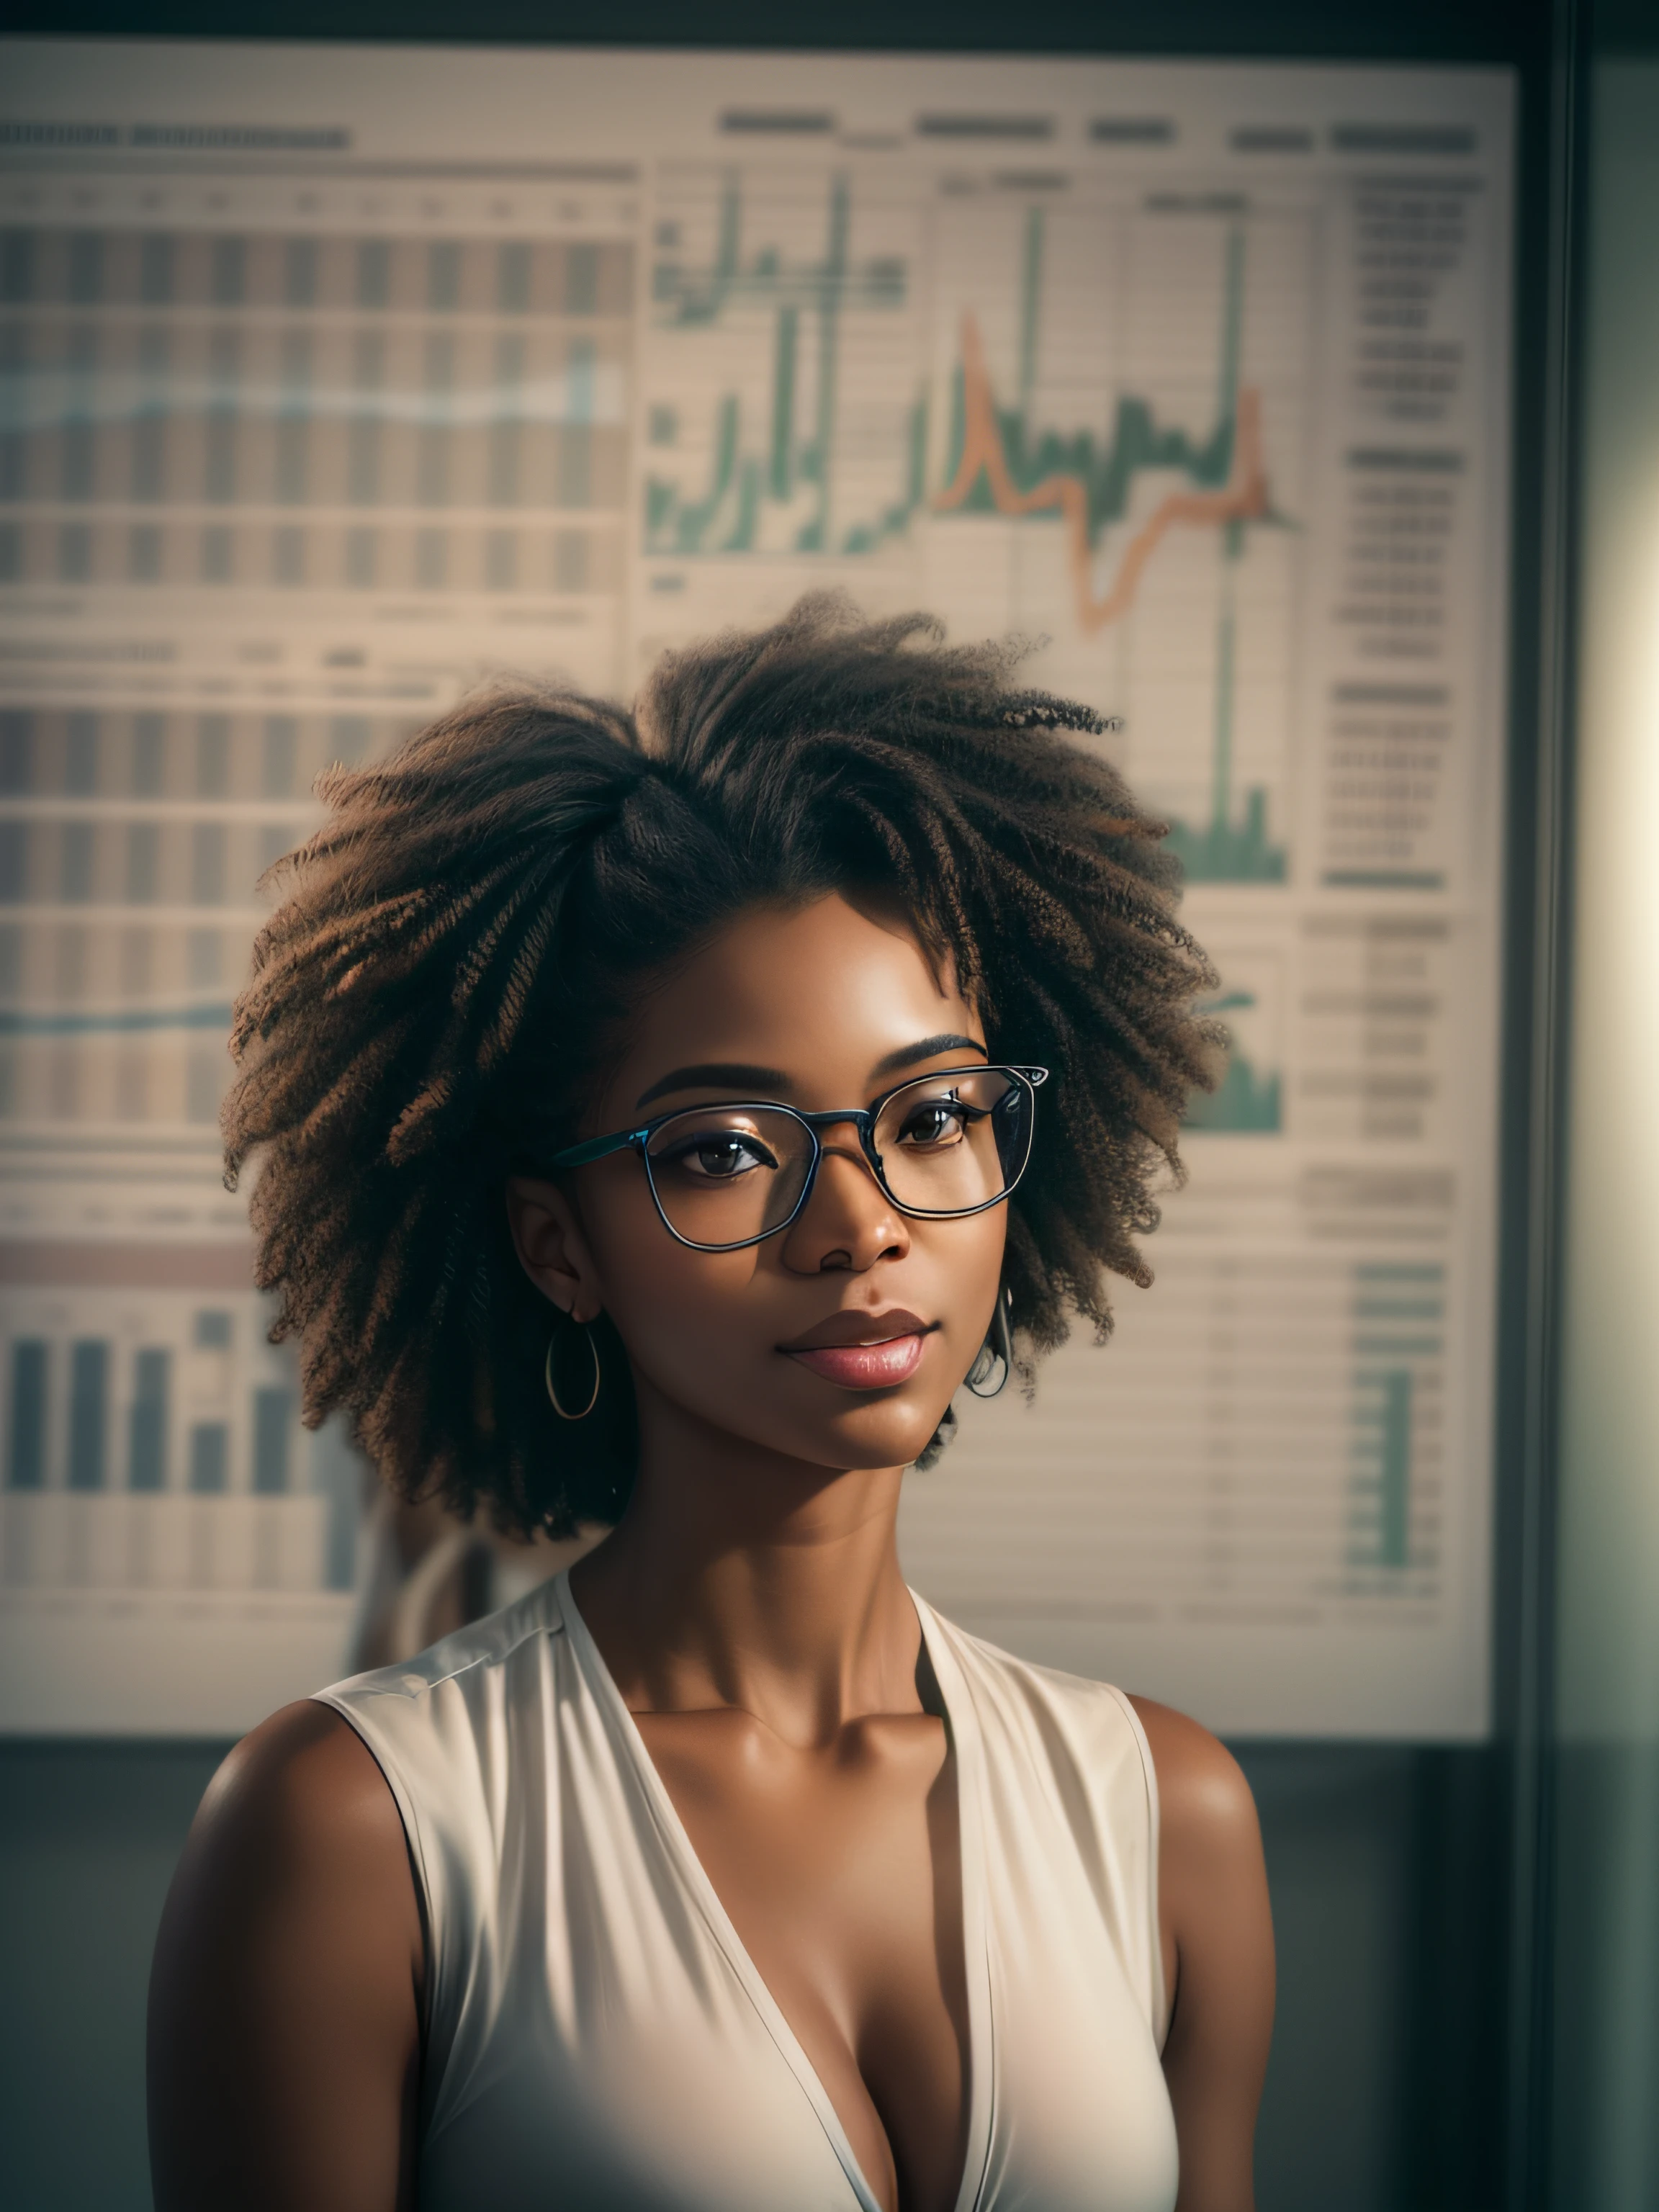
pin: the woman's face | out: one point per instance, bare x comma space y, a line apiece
839, 1341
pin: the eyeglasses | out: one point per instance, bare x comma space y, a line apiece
726, 1176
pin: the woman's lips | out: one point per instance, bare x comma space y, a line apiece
865, 1366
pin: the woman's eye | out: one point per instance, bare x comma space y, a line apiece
938, 1122
720, 1159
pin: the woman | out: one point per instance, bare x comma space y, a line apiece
658, 1121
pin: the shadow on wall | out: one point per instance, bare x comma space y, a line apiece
89, 1835
1337, 1826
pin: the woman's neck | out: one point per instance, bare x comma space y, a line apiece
741, 1577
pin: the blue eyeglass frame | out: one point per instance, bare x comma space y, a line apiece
864, 1119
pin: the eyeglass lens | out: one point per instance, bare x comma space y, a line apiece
947, 1144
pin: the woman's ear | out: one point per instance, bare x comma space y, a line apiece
552, 1248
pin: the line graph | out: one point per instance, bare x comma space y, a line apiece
1004, 466
1145, 462
1071, 421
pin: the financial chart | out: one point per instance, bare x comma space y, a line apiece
1041, 417
335, 382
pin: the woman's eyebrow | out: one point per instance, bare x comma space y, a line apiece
725, 1074
926, 1048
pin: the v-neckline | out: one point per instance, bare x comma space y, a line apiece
962, 1730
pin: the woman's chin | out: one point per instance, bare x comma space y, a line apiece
837, 1431
883, 1436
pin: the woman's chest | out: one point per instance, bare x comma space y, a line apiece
610, 2028
840, 1869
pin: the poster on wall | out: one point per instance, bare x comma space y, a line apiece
337, 380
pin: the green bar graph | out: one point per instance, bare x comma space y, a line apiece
1221, 773
1243, 1103
1225, 851
1232, 332
1399, 1347
1248, 1101
1030, 306
817, 461
1394, 1474
783, 405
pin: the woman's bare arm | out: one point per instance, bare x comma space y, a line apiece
285, 2006
1218, 1958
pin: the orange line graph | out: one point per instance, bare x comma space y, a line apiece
1244, 498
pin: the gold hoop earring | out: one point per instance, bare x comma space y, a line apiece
587, 1329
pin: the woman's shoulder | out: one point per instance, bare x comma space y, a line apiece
300, 1792
1192, 1780
295, 1860
447, 1727
481, 1649
1207, 1811
284, 2008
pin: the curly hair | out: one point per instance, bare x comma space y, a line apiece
433, 1007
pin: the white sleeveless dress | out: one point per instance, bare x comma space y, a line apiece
599, 2039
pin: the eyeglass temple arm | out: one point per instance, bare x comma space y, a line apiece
596, 1148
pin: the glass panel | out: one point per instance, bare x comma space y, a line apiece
1605, 1990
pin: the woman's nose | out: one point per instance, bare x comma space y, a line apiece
849, 1222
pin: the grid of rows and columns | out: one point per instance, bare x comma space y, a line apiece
269, 471
132, 847
198, 408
